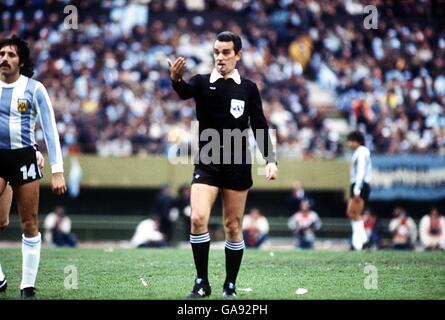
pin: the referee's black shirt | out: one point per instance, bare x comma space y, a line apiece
218, 107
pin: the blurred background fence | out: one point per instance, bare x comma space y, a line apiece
117, 193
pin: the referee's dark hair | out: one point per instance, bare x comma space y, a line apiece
25, 62
227, 36
356, 136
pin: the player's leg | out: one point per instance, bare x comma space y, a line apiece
5, 203
234, 203
202, 198
5, 206
354, 212
27, 198
355, 206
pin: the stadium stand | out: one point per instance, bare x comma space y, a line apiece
319, 71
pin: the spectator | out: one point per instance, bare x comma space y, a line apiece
185, 210
164, 208
255, 229
304, 223
148, 235
296, 196
432, 230
58, 229
372, 228
403, 229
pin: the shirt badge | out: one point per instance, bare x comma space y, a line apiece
237, 108
22, 105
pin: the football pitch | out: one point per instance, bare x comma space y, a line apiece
155, 274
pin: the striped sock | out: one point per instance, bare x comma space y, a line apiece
234, 254
30, 260
200, 247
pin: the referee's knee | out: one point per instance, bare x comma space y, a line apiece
233, 227
197, 221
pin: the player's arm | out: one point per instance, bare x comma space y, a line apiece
48, 123
360, 175
260, 129
185, 90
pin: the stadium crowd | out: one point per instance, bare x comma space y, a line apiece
109, 82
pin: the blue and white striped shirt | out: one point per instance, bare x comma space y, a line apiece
20, 104
361, 168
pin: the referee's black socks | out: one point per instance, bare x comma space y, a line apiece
234, 255
200, 247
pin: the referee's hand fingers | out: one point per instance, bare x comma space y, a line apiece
179, 65
174, 64
271, 173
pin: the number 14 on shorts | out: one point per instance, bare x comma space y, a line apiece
30, 172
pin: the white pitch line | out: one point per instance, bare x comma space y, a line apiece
143, 282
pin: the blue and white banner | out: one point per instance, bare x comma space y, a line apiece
412, 177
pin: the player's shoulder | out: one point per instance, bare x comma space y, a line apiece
364, 149
34, 84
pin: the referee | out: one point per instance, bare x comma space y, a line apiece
225, 102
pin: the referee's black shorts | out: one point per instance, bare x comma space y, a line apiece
228, 176
19, 166
364, 193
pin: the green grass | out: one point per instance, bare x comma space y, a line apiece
169, 273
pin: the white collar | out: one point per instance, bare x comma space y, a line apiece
12, 84
215, 75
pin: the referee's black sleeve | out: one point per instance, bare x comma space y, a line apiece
258, 122
187, 90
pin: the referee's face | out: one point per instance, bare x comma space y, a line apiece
225, 57
9, 61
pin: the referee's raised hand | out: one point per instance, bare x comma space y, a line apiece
177, 68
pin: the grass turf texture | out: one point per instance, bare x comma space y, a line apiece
169, 273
